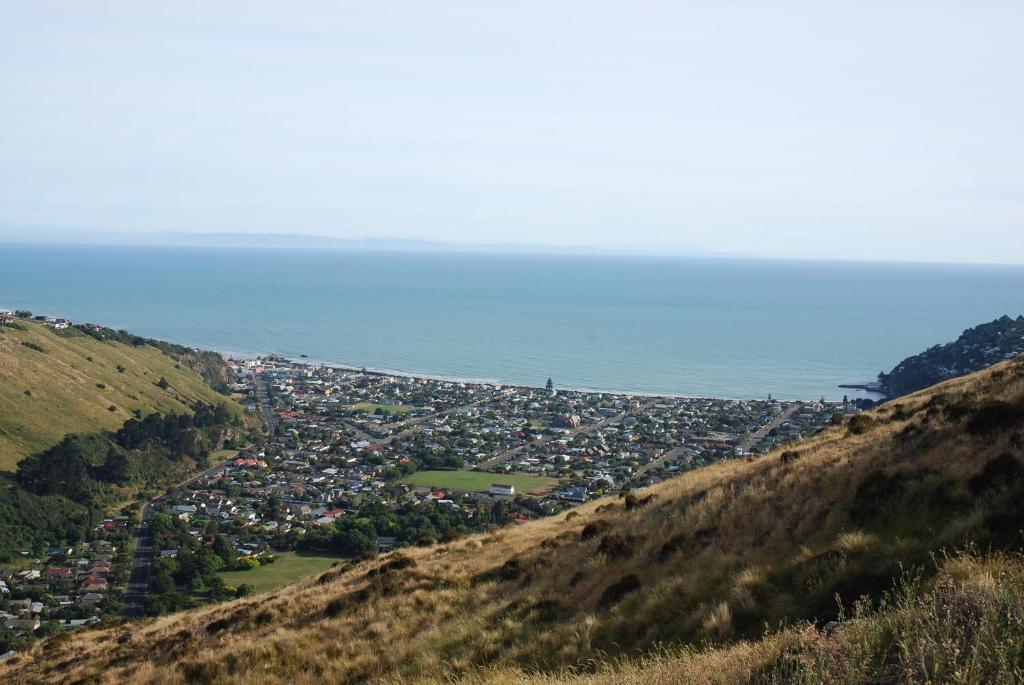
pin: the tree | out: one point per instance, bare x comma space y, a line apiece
223, 549
117, 467
248, 563
218, 590
162, 383
549, 385
161, 583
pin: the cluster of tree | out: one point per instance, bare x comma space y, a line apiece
357, 534
421, 457
181, 434
83, 467
975, 349
29, 521
58, 495
174, 581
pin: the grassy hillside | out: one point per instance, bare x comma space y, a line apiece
54, 383
726, 574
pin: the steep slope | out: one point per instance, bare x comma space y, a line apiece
976, 348
57, 382
712, 557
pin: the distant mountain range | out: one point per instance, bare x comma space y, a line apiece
270, 240
77, 236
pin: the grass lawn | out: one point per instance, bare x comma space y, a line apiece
477, 481
288, 567
19, 561
393, 409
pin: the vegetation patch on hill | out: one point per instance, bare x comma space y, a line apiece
59, 494
975, 349
53, 383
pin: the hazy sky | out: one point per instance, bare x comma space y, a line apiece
860, 130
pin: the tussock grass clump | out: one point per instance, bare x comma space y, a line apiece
616, 546
671, 546
965, 626
855, 543
995, 417
336, 606
619, 589
861, 423
594, 528
510, 570
997, 473
635, 502
718, 623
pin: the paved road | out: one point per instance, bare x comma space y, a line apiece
505, 456
142, 556
264, 401
746, 444
765, 429
138, 575
658, 461
408, 426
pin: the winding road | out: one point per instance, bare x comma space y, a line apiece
754, 437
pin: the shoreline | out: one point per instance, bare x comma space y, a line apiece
497, 383
243, 354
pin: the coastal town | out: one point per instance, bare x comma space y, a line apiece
65, 587
344, 436
348, 446
420, 459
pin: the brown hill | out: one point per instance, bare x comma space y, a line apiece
706, 578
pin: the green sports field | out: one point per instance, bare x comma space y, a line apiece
288, 567
392, 409
477, 481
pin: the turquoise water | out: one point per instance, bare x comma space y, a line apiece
681, 326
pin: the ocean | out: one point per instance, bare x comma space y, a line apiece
695, 327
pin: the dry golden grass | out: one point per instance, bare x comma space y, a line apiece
714, 557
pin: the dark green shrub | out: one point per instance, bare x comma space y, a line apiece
614, 593
594, 528
616, 546
996, 474
996, 416
860, 424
